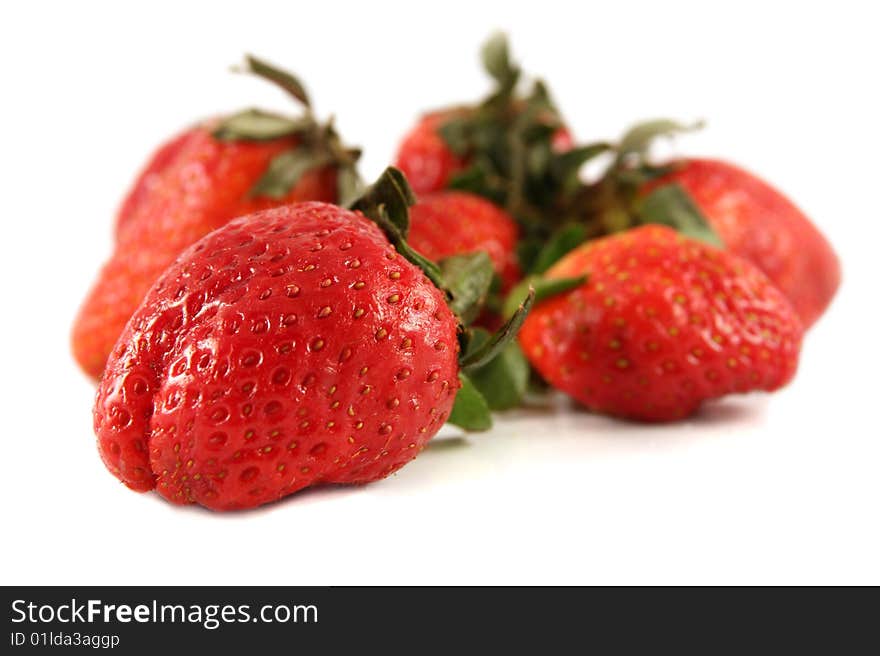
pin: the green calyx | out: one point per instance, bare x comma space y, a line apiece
466, 281
318, 145
508, 142
541, 288
618, 201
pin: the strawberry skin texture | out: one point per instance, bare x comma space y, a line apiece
290, 348
758, 223
449, 223
425, 158
662, 324
192, 185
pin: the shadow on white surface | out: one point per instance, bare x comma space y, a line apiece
555, 433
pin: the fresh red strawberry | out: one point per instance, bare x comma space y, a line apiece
449, 223
289, 348
425, 158
757, 222
195, 183
718, 203
662, 324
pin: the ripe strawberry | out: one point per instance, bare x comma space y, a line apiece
757, 222
663, 323
720, 204
449, 223
425, 158
289, 348
197, 182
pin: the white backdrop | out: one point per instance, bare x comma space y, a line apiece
757, 489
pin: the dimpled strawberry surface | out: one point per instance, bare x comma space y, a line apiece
192, 185
757, 222
662, 323
449, 223
290, 348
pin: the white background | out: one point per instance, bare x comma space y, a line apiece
756, 489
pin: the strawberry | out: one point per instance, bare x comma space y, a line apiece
424, 156
663, 323
449, 223
757, 222
197, 182
721, 204
297, 346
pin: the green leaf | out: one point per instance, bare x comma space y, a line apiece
456, 132
564, 240
474, 339
542, 288
286, 169
503, 381
470, 410
257, 125
386, 202
469, 279
539, 98
485, 353
348, 184
478, 179
428, 267
496, 60
566, 166
283, 79
671, 205
527, 250
637, 140
392, 193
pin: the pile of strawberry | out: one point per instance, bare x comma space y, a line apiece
266, 323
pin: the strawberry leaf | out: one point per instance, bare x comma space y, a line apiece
348, 185
469, 280
564, 240
317, 145
507, 141
393, 193
456, 132
474, 358
541, 288
503, 381
257, 125
638, 139
286, 169
386, 202
566, 166
466, 280
470, 410
479, 179
496, 60
671, 205
283, 79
